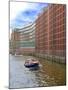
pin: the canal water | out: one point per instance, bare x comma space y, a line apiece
48, 74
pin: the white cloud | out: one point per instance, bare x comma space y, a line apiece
15, 8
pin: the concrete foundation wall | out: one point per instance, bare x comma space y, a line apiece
58, 59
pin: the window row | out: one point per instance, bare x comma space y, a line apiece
57, 48
57, 42
59, 28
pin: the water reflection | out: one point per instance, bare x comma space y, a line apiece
47, 74
34, 68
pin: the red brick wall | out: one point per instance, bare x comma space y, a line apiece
51, 30
57, 29
42, 33
15, 36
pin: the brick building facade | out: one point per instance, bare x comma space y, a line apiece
51, 31
14, 41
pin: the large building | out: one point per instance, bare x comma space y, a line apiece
24, 39
27, 35
51, 32
14, 41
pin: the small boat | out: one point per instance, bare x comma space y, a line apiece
31, 63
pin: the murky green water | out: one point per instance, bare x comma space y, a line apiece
49, 73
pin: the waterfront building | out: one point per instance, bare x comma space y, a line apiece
24, 38
27, 35
14, 41
51, 32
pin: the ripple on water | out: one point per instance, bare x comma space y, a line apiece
49, 74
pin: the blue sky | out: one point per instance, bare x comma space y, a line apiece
22, 13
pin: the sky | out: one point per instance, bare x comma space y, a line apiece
22, 13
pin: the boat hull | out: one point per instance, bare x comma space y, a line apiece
31, 65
